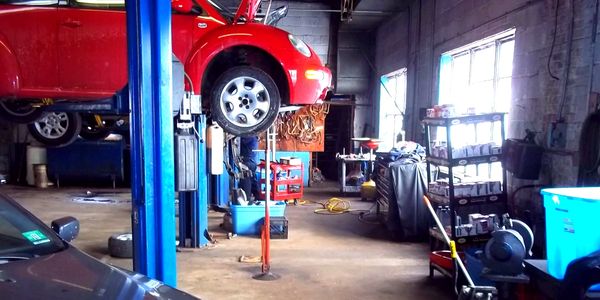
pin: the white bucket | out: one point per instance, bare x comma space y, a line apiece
35, 155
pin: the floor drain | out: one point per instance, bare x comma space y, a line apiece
94, 200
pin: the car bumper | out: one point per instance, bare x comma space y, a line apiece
311, 84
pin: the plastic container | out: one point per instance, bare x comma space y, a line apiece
571, 225
247, 220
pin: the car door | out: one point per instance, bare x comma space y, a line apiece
92, 49
28, 53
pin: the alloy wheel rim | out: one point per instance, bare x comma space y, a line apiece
52, 125
245, 101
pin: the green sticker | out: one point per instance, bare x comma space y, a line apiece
36, 237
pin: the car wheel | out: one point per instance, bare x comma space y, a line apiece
21, 112
121, 245
56, 129
245, 101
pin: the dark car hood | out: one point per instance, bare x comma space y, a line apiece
71, 274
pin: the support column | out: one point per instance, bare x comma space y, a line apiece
193, 206
152, 166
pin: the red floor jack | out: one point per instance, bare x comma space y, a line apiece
265, 238
469, 291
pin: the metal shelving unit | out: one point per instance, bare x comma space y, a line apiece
452, 201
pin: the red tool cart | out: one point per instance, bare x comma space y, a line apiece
286, 183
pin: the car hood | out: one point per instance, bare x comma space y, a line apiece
71, 274
247, 10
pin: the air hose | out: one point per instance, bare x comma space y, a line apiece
334, 206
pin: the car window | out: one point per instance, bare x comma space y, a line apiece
23, 235
30, 2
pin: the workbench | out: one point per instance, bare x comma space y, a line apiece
544, 283
344, 160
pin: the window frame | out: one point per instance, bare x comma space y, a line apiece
495, 41
400, 73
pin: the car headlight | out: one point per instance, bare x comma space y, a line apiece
299, 45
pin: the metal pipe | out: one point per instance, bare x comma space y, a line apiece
266, 260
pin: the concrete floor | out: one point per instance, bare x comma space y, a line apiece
325, 257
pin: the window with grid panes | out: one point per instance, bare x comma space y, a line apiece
477, 77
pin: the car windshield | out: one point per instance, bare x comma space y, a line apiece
22, 236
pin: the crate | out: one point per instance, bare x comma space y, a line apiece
279, 227
247, 220
571, 225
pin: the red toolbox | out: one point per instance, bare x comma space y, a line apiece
286, 181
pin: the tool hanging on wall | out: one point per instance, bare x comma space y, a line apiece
302, 125
301, 130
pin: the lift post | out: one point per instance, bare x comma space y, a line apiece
193, 205
152, 166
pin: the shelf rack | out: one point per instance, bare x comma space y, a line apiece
452, 201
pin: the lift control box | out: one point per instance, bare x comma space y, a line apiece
186, 162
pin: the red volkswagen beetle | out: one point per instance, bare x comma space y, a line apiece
73, 55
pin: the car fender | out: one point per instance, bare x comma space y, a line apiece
269, 39
9, 72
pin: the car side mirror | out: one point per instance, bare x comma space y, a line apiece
182, 6
67, 228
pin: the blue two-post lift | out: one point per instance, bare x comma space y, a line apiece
152, 147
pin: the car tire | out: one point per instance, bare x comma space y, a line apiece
245, 101
120, 245
56, 129
21, 112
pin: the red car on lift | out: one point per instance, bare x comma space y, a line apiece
61, 62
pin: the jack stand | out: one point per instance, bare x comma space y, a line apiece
266, 274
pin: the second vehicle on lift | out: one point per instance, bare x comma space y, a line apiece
73, 54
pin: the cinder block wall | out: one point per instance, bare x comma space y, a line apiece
309, 22
416, 38
305, 20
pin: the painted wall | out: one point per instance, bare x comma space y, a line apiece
416, 39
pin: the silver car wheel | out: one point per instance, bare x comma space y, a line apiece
52, 125
245, 101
